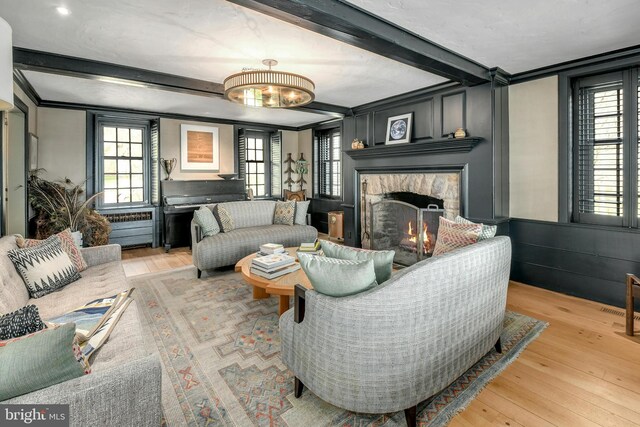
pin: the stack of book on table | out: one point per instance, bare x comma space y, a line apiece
271, 248
274, 265
312, 248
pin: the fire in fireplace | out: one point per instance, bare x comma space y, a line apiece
411, 241
407, 229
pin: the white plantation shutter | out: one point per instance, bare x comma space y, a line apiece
276, 164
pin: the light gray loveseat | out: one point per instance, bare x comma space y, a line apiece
123, 388
253, 221
392, 347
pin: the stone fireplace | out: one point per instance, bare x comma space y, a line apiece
401, 211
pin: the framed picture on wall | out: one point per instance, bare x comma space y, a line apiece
33, 152
199, 148
399, 129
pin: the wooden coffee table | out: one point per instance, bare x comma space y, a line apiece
282, 286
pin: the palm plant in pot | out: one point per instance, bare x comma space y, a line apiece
61, 205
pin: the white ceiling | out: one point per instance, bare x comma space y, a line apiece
211, 39
517, 35
94, 92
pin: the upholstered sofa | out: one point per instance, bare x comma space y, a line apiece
253, 221
389, 348
123, 388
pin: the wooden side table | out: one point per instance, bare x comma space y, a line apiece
336, 225
632, 281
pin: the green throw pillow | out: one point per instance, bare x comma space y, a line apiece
488, 231
207, 222
301, 212
382, 260
37, 361
338, 277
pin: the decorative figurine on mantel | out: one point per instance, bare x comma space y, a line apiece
460, 133
357, 144
289, 171
302, 168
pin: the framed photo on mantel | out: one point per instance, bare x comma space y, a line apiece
199, 148
399, 129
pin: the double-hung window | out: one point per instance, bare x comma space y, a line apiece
605, 153
260, 162
125, 152
327, 180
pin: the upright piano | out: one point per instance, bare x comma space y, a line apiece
181, 198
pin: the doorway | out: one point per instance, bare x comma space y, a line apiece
15, 160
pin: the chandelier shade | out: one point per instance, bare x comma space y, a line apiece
6, 66
269, 89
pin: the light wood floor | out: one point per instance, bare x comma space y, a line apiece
582, 370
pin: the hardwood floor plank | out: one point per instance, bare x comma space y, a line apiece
603, 388
503, 405
527, 372
545, 386
542, 406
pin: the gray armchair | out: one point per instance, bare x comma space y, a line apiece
392, 347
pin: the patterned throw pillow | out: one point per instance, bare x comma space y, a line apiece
301, 213
338, 277
23, 321
67, 242
207, 222
284, 213
453, 236
488, 231
40, 360
44, 268
224, 219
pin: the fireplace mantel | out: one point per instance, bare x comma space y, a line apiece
427, 146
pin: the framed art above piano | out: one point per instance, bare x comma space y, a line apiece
181, 198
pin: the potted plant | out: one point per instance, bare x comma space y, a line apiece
61, 205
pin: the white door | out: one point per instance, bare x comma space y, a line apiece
16, 174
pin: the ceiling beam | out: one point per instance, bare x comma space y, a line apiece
357, 27
32, 60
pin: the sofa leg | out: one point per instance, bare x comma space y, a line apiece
297, 387
199, 273
498, 346
410, 416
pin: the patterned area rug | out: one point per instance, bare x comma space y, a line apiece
221, 355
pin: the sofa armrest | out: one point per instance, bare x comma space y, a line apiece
196, 233
127, 395
97, 255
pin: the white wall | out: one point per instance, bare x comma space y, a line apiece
533, 150
170, 148
62, 150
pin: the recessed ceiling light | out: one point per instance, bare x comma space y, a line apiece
63, 10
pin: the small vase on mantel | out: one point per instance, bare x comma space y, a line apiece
77, 238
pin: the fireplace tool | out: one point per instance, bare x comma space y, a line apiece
365, 233
168, 166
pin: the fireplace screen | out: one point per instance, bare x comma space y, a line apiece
407, 229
